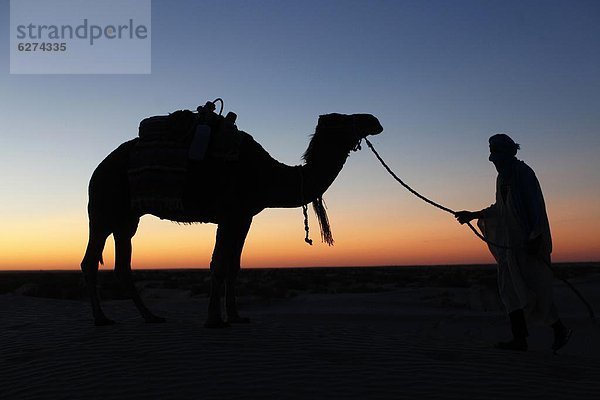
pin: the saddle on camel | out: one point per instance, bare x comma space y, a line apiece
170, 146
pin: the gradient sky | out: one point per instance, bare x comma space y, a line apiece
442, 76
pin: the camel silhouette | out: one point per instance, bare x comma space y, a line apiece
225, 192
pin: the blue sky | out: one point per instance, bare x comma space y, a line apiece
442, 76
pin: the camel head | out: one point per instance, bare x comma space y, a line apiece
346, 130
341, 131
366, 124
359, 125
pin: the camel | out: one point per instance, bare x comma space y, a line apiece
226, 193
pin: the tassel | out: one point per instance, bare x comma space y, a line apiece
306, 229
319, 208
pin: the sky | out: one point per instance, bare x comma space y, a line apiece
441, 76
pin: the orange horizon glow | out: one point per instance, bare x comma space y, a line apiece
276, 239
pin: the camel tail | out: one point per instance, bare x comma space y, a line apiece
321, 211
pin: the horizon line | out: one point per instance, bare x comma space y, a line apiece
560, 263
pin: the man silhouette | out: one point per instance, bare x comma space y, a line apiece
518, 222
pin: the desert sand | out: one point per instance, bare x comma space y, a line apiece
380, 335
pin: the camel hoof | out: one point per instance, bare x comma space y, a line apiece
216, 324
238, 320
103, 321
155, 320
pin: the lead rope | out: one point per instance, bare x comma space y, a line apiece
479, 235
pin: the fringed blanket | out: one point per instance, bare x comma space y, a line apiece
157, 175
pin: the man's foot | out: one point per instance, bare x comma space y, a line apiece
515, 345
561, 338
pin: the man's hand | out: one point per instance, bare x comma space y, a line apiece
464, 216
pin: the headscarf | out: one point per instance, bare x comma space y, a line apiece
502, 147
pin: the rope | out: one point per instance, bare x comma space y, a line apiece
400, 181
304, 207
479, 235
425, 199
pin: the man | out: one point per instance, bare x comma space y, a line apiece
519, 234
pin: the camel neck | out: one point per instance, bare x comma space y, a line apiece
318, 176
294, 186
324, 159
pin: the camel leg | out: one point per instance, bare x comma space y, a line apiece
123, 273
228, 247
233, 268
89, 267
217, 279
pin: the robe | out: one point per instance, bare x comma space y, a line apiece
519, 215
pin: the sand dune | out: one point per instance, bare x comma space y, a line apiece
409, 342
